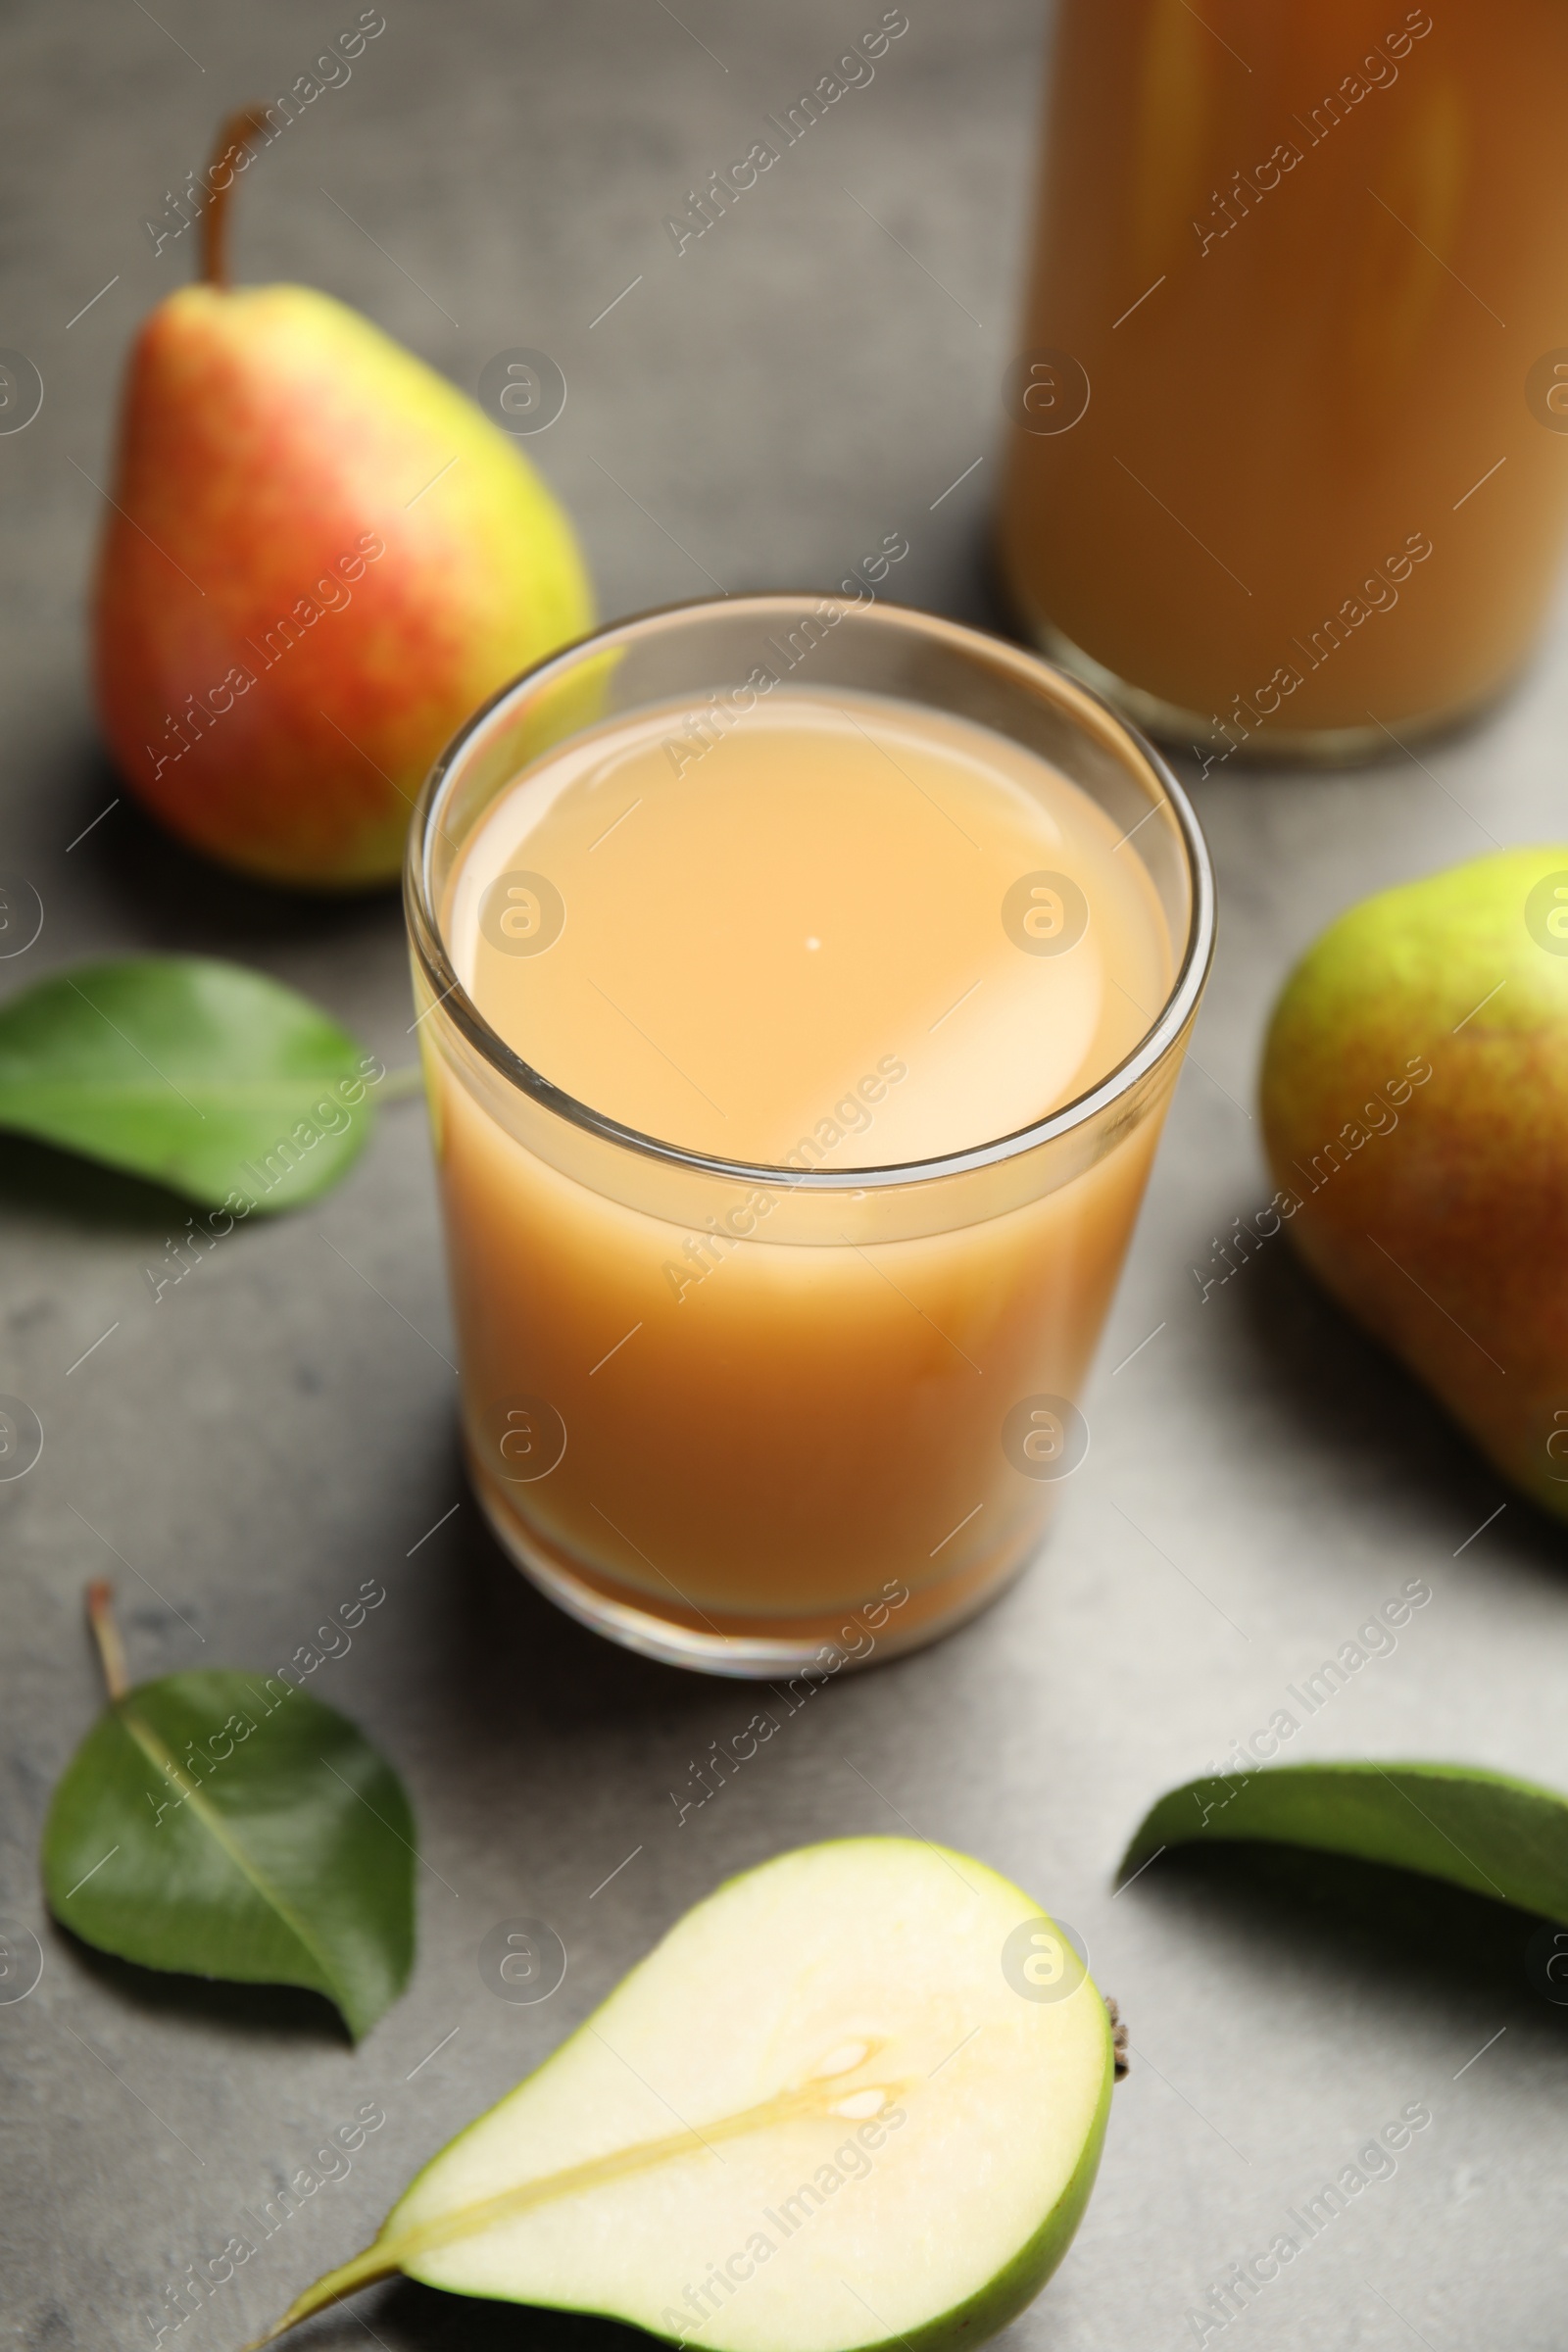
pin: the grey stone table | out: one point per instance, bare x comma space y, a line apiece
755, 411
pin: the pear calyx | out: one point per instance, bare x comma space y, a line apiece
1119, 2045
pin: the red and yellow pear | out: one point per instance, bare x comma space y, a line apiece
320, 558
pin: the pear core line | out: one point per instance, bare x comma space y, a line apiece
819, 2095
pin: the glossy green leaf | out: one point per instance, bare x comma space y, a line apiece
203, 1076
1482, 1831
230, 1825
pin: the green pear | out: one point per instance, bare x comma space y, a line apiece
854, 2098
318, 560
1415, 1110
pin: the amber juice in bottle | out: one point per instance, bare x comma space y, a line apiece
1289, 459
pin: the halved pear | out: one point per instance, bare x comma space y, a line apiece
854, 2098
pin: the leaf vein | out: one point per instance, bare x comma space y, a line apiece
156, 1752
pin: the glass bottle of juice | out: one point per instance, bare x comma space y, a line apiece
1287, 464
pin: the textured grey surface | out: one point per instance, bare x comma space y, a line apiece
757, 411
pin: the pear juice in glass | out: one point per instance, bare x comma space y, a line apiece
801, 984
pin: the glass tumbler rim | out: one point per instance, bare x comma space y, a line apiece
1069, 695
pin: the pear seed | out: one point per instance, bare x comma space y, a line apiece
859, 2105
842, 2061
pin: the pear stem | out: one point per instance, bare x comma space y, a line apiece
239, 132
363, 2271
106, 1634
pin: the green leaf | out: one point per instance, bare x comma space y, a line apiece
230, 1825
203, 1076
1480, 1829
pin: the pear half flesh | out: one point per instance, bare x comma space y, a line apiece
854, 2098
